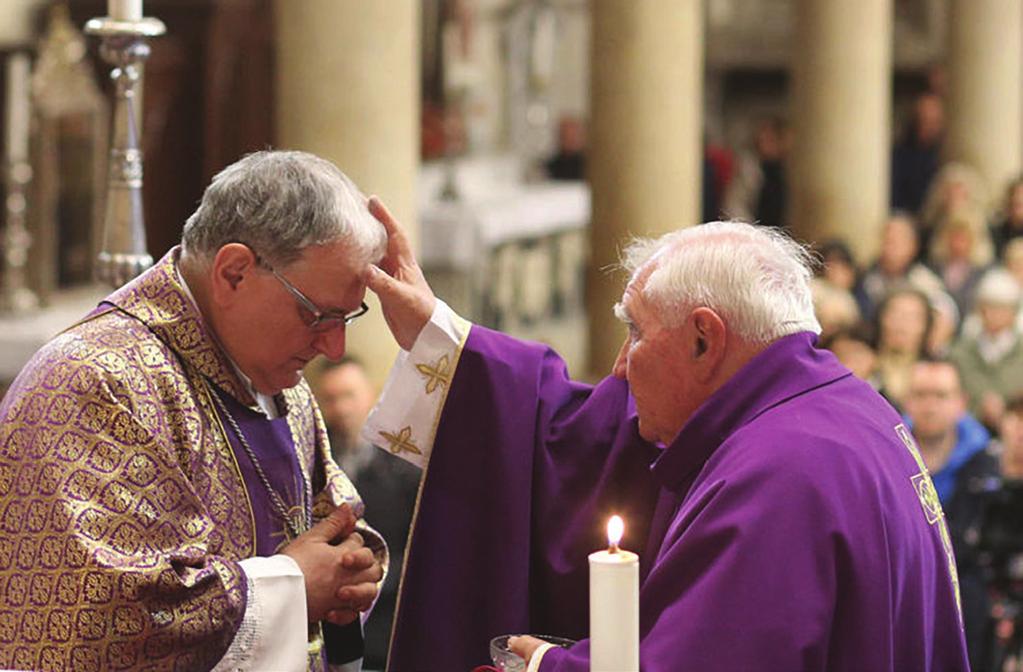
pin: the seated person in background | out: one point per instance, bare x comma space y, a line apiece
835, 307
961, 253
991, 361
904, 322
771, 494
854, 348
838, 267
947, 434
986, 521
896, 265
957, 190
170, 457
388, 485
346, 397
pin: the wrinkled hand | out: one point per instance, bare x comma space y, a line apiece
524, 646
325, 564
359, 586
405, 296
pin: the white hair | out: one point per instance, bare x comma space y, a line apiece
998, 287
755, 278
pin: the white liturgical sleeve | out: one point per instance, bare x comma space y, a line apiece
405, 418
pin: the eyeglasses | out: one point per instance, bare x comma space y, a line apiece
317, 320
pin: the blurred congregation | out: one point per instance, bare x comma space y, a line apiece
933, 323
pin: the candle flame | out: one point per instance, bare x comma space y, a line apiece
615, 530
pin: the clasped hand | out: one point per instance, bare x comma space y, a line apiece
341, 574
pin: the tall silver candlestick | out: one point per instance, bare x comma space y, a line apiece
125, 46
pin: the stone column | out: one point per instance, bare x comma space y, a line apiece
838, 171
348, 90
985, 96
645, 153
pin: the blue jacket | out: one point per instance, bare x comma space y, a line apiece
971, 438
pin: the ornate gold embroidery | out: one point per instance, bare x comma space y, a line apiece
437, 375
924, 487
928, 496
111, 469
463, 329
401, 442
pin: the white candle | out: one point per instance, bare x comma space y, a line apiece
124, 10
614, 605
18, 107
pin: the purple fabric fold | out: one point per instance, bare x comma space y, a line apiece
495, 550
790, 525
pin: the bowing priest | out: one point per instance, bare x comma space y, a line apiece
167, 496
782, 513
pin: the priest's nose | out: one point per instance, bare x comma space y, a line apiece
331, 343
621, 365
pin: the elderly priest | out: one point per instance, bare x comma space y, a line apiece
783, 515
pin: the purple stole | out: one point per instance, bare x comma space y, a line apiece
273, 445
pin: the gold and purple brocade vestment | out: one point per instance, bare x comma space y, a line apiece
123, 510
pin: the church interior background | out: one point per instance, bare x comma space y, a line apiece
450, 110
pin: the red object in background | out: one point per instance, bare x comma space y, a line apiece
724, 166
485, 668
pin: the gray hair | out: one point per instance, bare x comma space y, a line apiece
279, 203
998, 287
756, 278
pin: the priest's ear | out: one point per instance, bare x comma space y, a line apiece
707, 339
231, 271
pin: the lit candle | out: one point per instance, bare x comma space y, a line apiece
614, 605
18, 107
125, 10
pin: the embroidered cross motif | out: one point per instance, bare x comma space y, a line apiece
436, 375
928, 495
401, 442
922, 483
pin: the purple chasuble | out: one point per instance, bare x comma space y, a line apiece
272, 444
791, 523
526, 469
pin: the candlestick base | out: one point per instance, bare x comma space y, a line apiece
117, 269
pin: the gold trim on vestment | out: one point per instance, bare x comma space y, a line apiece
122, 503
205, 392
445, 389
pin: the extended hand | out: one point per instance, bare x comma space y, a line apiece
524, 646
405, 296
